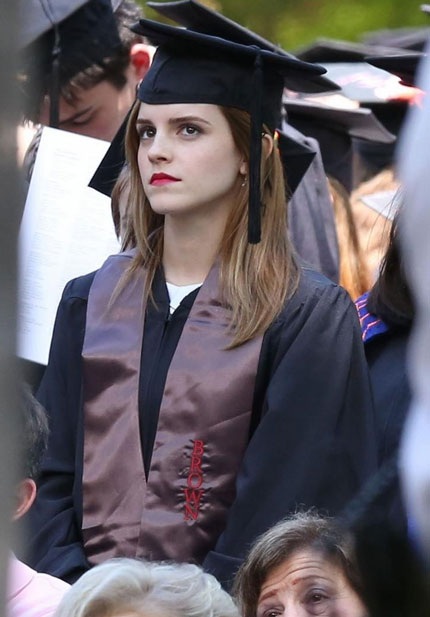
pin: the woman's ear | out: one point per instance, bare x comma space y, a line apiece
243, 169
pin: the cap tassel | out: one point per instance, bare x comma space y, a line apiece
254, 204
54, 95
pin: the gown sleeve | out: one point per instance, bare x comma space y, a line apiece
315, 441
54, 519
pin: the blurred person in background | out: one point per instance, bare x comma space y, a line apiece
121, 587
30, 593
80, 64
414, 171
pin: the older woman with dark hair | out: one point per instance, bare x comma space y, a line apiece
304, 565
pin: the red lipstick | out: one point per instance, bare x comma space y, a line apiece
161, 179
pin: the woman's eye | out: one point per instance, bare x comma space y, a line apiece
146, 132
190, 130
269, 611
316, 595
317, 602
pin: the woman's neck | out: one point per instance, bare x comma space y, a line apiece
190, 249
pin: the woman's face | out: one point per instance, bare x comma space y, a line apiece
305, 585
187, 159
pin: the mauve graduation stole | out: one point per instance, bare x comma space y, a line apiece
202, 431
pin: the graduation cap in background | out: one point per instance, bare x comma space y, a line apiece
391, 112
60, 39
190, 67
380, 91
199, 18
403, 66
414, 39
335, 128
325, 50
365, 83
376, 89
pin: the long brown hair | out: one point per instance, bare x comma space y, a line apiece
255, 280
353, 272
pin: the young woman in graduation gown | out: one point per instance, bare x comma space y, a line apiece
184, 432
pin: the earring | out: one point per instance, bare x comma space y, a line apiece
244, 182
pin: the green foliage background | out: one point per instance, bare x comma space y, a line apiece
293, 23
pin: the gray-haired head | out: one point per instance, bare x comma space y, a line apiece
136, 587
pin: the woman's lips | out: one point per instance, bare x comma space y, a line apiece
161, 179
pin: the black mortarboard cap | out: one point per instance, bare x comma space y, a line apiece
403, 66
190, 67
335, 128
324, 50
60, 38
36, 17
199, 18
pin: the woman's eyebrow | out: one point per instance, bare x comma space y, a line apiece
268, 594
182, 119
300, 578
175, 121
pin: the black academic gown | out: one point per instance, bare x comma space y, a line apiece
386, 354
312, 441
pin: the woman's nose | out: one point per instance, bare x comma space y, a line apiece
159, 149
295, 610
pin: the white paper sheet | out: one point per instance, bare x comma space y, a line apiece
66, 231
